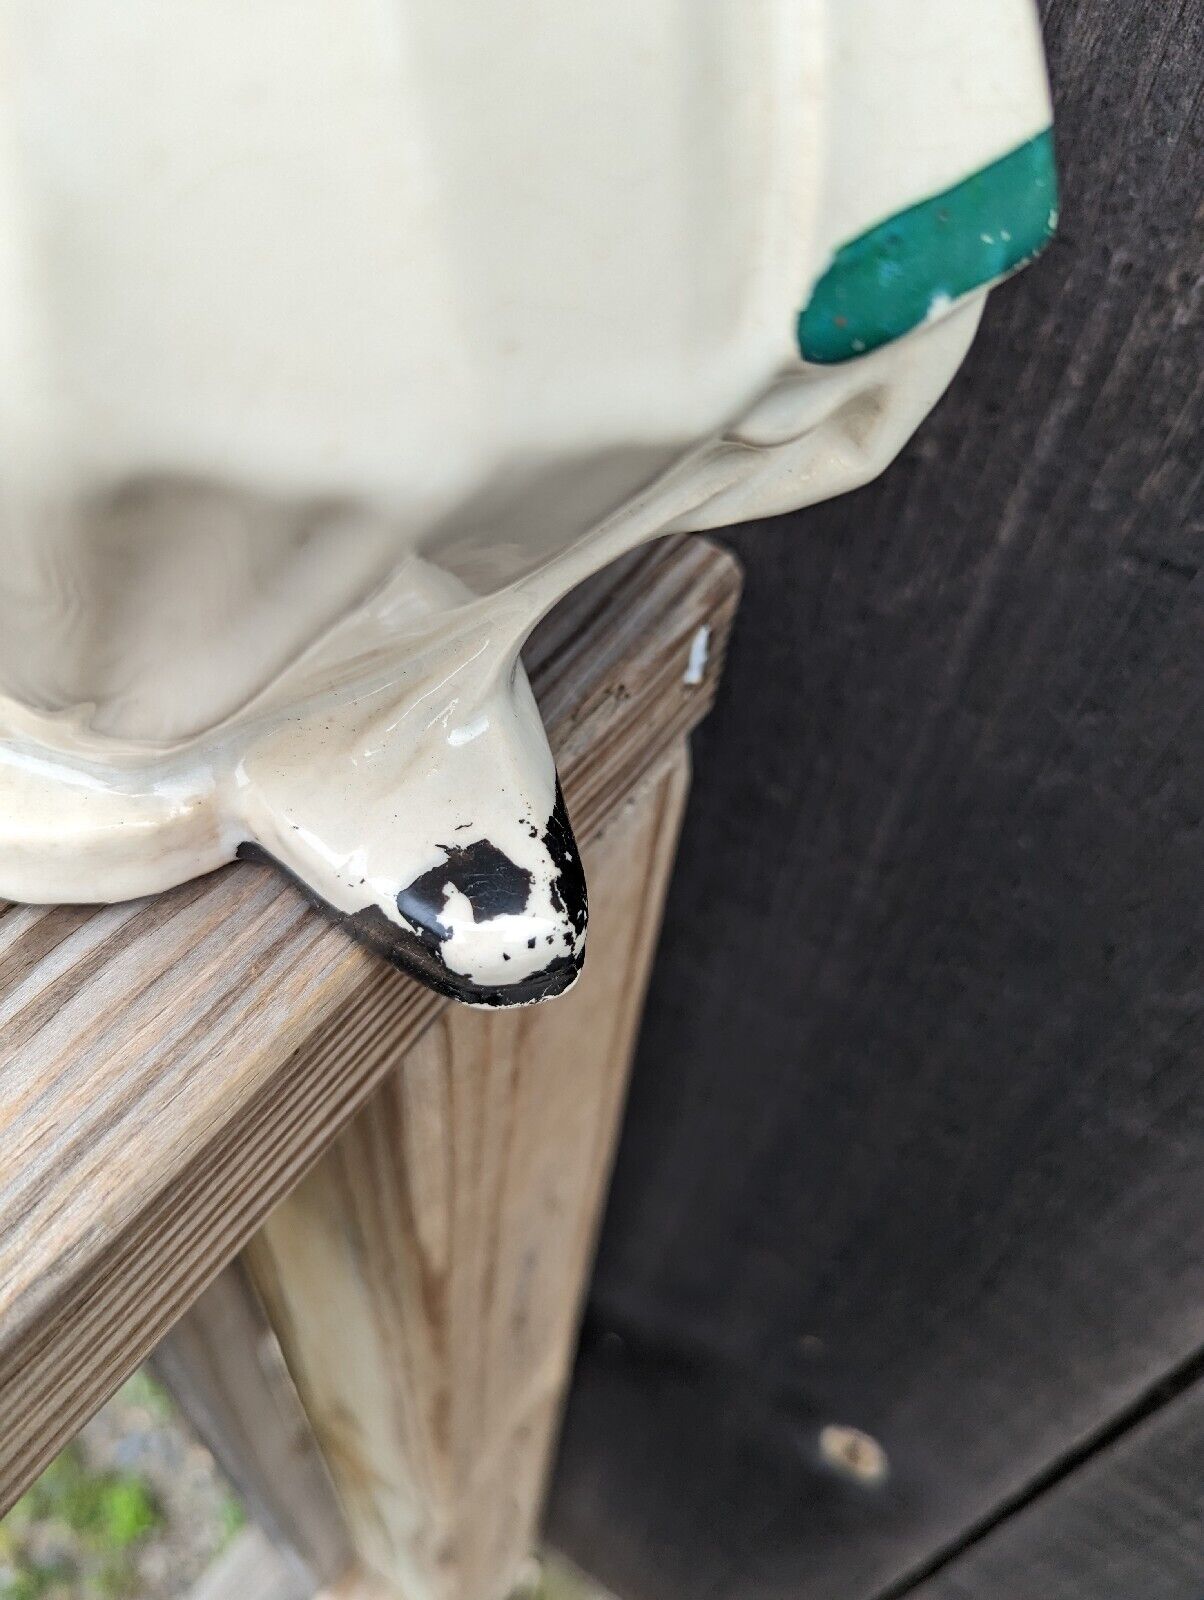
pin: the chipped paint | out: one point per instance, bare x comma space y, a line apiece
918, 263
696, 664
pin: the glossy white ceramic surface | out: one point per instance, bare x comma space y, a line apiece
340, 338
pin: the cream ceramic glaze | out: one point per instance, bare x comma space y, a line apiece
340, 338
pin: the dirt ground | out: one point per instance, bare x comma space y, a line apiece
136, 1509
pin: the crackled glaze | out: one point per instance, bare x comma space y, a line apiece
340, 338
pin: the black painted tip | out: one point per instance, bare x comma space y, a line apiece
494, 886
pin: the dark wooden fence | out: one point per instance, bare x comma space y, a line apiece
916, 1140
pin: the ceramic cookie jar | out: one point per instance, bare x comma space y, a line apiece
340, 338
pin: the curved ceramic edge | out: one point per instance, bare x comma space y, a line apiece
505, 903
917, 263
418, 803
425, 809
403, 777
420, 808
957, 189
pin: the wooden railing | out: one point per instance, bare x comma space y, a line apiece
415, 1187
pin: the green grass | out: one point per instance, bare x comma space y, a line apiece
76, 1531
100, 1519
82, 1531
231, 1517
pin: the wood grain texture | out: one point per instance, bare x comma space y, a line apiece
169, 1068
916, 1134
1129, 1522
426, 1277
225, 1371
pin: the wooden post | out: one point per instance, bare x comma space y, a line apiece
224, 1369
425, 1278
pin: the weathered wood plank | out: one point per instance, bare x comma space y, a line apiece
425, 1278
224, 1369
1127, 1522
166, 1066
916, 1136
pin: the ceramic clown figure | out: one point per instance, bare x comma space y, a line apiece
340, 338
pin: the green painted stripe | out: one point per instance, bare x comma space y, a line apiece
905, 269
